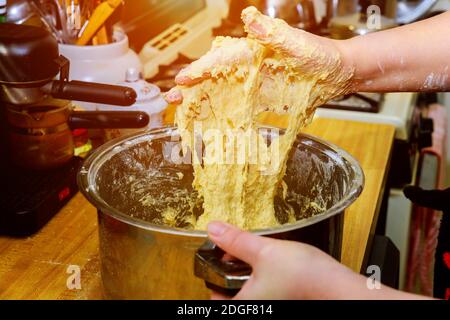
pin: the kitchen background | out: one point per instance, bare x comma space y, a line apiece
154, 39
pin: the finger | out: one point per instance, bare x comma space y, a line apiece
242, 245
218, 296
275, 34
184, 80
174, 96
263, 28
197, 71
255, 23
220, 60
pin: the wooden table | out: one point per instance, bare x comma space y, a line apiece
36, 267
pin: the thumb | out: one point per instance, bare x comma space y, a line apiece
275, 34
240, 244
174, 96
263, 28
434, 199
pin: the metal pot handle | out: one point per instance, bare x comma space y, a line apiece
87, 91
226, 277
108, 119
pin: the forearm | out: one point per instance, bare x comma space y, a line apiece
356, 286
414, 57
326, 279
340, 283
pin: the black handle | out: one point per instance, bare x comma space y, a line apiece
108, 119
226, 277
423, 133
92, 92
434, 199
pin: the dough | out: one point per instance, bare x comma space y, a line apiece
239, 181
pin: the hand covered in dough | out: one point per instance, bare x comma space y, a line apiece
224, 56
313, 54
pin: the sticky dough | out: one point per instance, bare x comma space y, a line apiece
246, 79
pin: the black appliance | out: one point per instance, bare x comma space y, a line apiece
29, 66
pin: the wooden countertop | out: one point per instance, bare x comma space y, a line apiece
36, 267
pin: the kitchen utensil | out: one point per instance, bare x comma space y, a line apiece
409, 11
23, 12
97, 20
40, 135
30, 61
143, 257
61, 15
49, 17
74, 21
19, 11
40, 138
101, 38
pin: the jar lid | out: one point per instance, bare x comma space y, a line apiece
145, 91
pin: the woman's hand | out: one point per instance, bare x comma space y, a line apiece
410, 58
314, 54
292, 270
281, 269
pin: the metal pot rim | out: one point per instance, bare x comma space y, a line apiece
89, 169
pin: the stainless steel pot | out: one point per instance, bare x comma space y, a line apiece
142, 258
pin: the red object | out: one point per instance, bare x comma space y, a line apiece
79, 132
80, 137
425, 222
64, 193
447, 259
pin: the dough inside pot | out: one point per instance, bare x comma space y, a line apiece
238, 166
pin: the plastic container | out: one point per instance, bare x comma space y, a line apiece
104, 63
